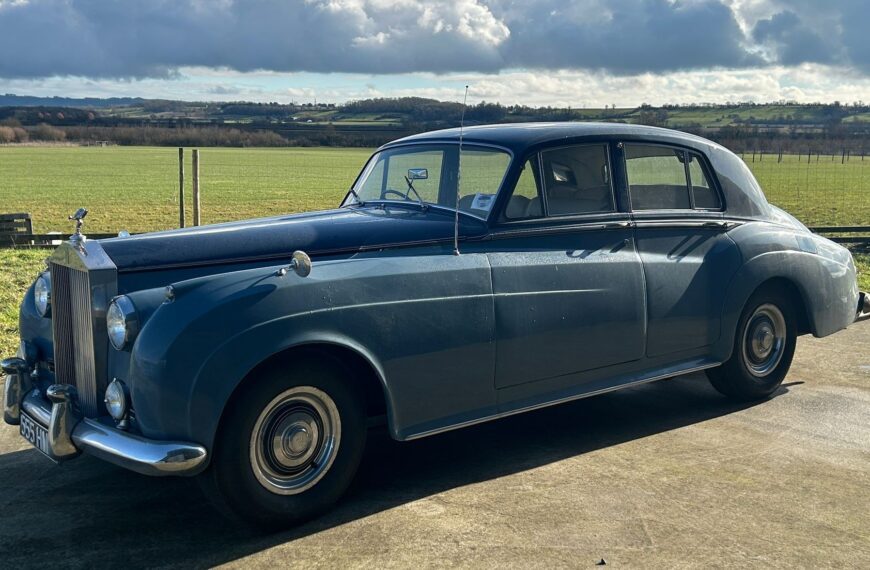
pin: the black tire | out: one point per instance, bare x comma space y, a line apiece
747, 375
236, 480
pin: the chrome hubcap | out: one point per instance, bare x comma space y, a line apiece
764, 340
295, 440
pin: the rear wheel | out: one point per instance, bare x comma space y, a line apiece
288, 447
763, 348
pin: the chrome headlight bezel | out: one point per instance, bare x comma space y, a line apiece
42, 294
122, 322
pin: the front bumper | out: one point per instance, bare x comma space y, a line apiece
69, 434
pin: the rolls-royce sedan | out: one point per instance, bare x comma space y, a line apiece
467, 275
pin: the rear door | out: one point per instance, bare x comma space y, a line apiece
567, 279
681, 235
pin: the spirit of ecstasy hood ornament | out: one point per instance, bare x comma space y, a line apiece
78, 238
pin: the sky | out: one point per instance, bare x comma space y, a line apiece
577, 53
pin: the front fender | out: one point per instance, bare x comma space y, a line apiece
426, 338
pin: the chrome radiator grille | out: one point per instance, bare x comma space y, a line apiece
72, 320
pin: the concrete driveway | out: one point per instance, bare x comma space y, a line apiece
665, 475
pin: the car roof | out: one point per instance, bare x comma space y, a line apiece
520, 136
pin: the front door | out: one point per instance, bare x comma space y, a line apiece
567, 279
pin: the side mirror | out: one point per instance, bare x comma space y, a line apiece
418, 174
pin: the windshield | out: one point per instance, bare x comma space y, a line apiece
427, 174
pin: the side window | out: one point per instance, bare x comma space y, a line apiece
656, 177
398, 167
703, 191
525, 202
577, 180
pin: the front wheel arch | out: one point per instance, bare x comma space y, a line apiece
353, 365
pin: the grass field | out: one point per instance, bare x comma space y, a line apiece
137, 189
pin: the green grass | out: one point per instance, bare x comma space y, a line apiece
862, 261
137, 189
820, 192
20, 268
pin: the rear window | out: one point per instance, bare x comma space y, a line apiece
657, 178
665, 178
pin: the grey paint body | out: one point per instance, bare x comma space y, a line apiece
529, 314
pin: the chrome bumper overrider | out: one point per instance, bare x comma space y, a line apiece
69, 434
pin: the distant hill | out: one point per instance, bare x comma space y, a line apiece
12, 100
372, 122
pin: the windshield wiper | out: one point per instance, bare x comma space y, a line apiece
417, 194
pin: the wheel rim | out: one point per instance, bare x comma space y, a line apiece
295, 440
764, 340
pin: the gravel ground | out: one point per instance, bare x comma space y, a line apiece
664, 475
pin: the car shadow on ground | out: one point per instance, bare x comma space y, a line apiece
89, 513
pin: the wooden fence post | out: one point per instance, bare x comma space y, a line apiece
196, 210
180, 187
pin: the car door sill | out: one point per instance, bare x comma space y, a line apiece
578, 392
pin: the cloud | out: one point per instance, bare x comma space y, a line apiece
626, 37
154, 39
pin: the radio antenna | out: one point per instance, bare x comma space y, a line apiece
459, 176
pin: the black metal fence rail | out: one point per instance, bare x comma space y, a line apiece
858, 235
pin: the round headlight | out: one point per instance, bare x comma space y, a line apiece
122, 322
42, 294
116, 399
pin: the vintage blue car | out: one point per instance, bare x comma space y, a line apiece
467, 276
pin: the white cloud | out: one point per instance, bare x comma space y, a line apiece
114, 38
563, 88
579, 52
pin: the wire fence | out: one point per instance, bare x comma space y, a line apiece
137, 189
819, 189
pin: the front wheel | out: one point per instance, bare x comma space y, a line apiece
288, 447
763, 348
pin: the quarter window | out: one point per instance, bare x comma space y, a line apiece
703, 192
657, 178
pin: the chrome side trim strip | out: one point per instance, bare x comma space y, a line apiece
559, 401
669, 224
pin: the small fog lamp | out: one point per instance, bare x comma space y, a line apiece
117, 400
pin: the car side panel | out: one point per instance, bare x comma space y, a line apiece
687, 268
566, 303
431, 340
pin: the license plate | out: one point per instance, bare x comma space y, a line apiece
33, 432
